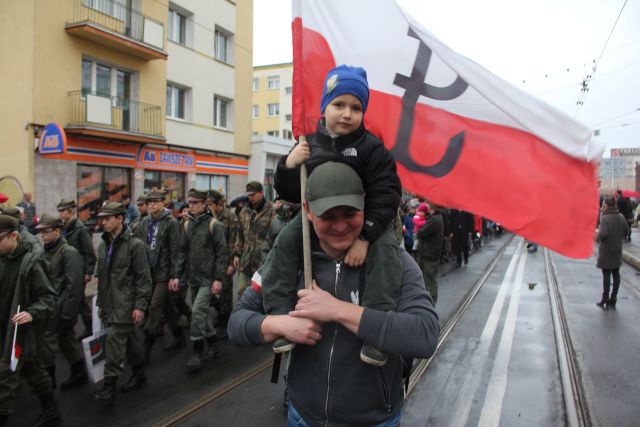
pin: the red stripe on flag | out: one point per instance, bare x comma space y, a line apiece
18, 351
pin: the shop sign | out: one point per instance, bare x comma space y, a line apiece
151, 158
53, 139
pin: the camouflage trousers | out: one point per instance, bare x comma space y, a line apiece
122, 343
37, 377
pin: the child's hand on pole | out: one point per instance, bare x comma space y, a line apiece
300, 153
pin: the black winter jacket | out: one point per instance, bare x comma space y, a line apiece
367, 155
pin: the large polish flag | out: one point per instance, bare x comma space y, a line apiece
461, 136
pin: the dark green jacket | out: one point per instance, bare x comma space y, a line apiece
230, 221
254, 226
24, 283
163, 247
80, 238
124, 283
205, 250
32, 240
67, 277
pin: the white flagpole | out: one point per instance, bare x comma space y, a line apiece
14, 361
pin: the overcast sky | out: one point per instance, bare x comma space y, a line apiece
546, 47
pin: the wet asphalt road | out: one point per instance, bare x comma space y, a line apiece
499, 364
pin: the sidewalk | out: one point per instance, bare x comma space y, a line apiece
631, 250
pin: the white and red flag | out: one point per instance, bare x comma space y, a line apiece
16, 350
461, 136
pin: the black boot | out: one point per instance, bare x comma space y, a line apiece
212, 349
178, 340
612, 301
78, 376
52, 373
4, 420
221, 330
197, 359
137, 380
149, 340
604, 301
50, 416
108, 392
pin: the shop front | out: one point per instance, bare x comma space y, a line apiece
93, 171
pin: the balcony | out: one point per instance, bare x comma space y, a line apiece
113, 117
118, 26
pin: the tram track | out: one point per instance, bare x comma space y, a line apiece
574, 397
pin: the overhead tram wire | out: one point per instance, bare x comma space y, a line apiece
587, 79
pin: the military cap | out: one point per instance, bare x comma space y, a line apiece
254, 187
156, 195
197, 194
66, 204
112, 208
11, 211
49, 221
334, 184
8, 224
215, 196
142, 199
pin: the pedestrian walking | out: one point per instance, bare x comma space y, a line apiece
78, 236
25, 288
610, 235
124, 291
66, 272
204, 248
430, 242
29, 209
161, 233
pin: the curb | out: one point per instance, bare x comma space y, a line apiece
631, 259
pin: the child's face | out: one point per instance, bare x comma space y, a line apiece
343, 114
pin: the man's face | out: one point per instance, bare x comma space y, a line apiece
196, 206
142, 207
338, 228
255, 197
65, 214
214, 206
8, 242
110, 223
343, 115
49, 235
27, 197
155, 206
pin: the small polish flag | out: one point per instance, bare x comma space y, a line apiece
16, 350
256, 282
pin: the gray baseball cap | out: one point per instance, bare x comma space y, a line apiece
334, 184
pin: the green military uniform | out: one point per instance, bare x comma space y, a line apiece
79, 237
25, 235
23, 283
124, 284
162, 237
254, 226
67, 278
232, 229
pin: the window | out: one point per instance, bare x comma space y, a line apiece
273, 82
172, 182
103, 80
177, 27
273, 110
256, 84
273, 133
255, 111
175, 101
220, 112
222, 45
288, 90
212, 182
287, 134
97, 184
287, 117
106, 80
86, 76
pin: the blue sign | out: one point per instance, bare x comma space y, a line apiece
53, 139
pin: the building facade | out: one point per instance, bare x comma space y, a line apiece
272, 115
109, 74
619, 171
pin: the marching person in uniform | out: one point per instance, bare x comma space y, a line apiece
161, 233
79, 237
25, 234
24, 284
143, 210
66, 275
124, 291
205, 250
255, 220
216, 203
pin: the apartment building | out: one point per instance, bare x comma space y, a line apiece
105, 97
272, 114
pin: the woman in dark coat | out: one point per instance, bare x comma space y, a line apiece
612, 231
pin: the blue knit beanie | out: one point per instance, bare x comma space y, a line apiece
345, 79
